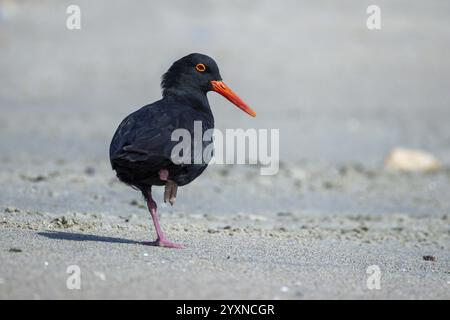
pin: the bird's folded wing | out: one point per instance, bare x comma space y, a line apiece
146, 144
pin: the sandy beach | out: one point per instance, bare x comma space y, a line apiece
341, 95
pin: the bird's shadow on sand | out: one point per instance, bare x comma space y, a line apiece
71, 236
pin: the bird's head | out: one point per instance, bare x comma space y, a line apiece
196, 73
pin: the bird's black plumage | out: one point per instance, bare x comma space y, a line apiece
142, 143
141, 149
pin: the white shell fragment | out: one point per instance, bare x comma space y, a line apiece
411, 160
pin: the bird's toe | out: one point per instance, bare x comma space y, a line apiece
164, 243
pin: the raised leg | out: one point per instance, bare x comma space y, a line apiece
161, 239
164, 174
170, 190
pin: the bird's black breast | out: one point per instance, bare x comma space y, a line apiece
142, 144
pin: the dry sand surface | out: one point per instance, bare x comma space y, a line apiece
341, 95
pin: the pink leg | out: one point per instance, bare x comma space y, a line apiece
161, 239
164, 174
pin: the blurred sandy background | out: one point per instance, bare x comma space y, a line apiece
342, 96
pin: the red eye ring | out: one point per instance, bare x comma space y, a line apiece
200, 67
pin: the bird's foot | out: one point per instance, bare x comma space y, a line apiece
164, 174
164, 243
170, 192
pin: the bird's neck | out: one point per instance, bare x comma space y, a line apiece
195, 98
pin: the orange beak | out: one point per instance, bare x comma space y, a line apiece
221, 88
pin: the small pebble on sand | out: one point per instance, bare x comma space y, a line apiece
284, 289
429, 258
255, 217
11, 210
100, 275
90, 171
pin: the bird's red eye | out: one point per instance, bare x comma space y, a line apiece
200, 67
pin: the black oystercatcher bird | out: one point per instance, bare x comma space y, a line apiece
141, 148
